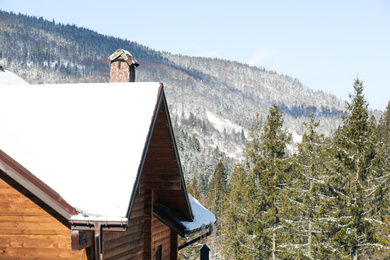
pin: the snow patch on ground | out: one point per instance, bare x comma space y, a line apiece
220, 123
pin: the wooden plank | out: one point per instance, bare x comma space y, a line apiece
126, 237
9, 197
35, 241
152, 161
42, 258
123, 249
159, 177
163, 240
157, 230
50, 225
162, 186
38, 253
31, 232
29, 219
136, 221
137, 213
130, 255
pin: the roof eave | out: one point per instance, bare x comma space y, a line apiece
146, 148
37, 187
178, 158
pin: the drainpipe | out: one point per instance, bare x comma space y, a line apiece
96, 227
98, 240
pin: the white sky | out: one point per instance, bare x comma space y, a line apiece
325, 44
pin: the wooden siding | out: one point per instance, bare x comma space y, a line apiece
163, 238
29, 229
160, 181
161, 171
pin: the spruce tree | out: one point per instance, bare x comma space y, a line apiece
273, 177
241, 228
252, 216
266, 164
217, 193
384, 128
358, 183
309, 194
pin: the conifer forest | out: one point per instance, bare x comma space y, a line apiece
289, 173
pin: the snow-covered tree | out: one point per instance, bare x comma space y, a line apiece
309, 194
258, 195
272, 177
360, 184
242, 228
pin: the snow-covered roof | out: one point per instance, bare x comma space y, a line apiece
202, 217
61, 132
7, 77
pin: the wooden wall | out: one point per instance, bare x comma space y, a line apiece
29, 229
160, 181
164, 240
129, 244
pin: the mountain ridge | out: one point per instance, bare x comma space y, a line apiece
42, 51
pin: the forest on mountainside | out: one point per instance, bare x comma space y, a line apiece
330, 200
212, 101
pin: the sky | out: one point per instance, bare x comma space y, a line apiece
324, 44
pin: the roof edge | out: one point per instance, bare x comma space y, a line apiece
183, 183
37, 187
137, 182
161, 101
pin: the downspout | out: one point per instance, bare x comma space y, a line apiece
97, 227
98, 240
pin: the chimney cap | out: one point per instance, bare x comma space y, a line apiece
125, 55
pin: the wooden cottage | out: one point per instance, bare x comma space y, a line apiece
91, 171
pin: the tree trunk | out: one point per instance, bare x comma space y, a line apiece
309, 238
309, 241
273, 245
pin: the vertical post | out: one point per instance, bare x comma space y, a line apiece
204, 252
98, 241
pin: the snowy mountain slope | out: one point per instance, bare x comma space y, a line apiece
212, 100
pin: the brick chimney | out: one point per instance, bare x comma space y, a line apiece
122, 66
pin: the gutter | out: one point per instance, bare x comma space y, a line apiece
210, 231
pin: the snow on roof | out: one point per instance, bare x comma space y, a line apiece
125, 55
9, 78
202, 217
85, 141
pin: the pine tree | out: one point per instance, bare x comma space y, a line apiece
309, 194
193, 188
257, 195
217, 191
384, 128
359, 183
272, 177
242, 229
216, 202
